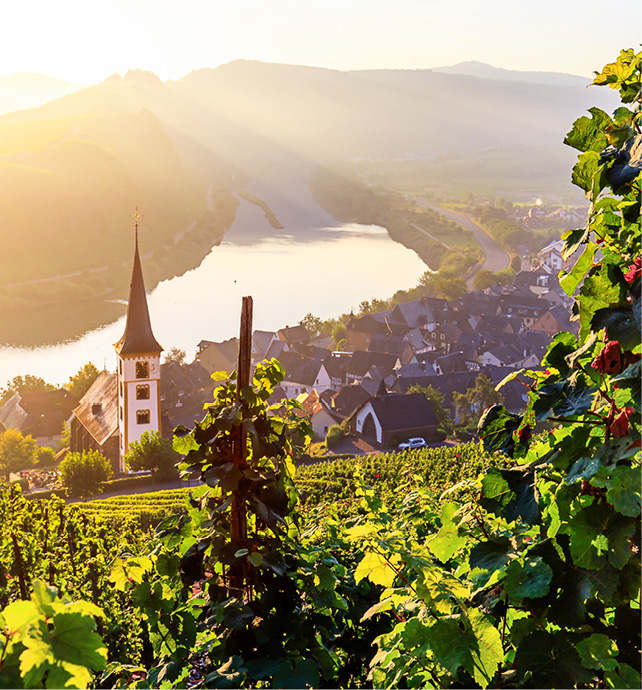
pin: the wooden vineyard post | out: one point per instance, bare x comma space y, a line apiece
238, 518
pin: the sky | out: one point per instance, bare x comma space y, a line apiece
85, 41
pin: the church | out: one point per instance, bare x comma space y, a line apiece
119, 407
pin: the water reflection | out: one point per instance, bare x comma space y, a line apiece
329, 273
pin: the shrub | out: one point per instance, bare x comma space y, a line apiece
83, 473
334, 435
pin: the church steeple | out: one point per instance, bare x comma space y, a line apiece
138, 337
139, 407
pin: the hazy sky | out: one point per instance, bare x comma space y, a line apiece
84, 41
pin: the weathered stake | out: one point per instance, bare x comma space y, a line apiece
238, 517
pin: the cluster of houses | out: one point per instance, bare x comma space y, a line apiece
428, 342
434, 342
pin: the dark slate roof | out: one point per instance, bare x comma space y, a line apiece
400, 412
100, 422
419, 369
362, 361
349, 398
507, 354
138, 337
391, 344
260, 342
300, 369
413, 314
454, 361
337, 364
184, 377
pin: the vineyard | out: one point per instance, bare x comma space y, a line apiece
510, 564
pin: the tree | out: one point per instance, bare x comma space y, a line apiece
484, 279
44, 456
152, 453
436, 400
16, 451
334, 435
24, 384
339, 333
471, 404
313, 325
83, 473
516, 263
174, 354
80, 383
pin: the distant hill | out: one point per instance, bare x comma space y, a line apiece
24, 90
481, 70
73, 169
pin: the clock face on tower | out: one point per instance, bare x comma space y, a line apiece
154, 368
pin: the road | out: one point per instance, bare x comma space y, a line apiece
495, 259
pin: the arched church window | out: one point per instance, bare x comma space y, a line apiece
142, 417
142, 370
142, 391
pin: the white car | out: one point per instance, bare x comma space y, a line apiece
413, 443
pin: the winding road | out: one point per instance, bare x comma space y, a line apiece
495, 259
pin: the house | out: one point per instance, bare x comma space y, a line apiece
360, 331
526, 307
393, 345
321, 417
261, 341
503, 356
389, 419
337, 365
185, 388
349, 398
302, 374
293, 335
413, 314
361, 362
94, 422
551, 255
218, 356
39, 414
553, 321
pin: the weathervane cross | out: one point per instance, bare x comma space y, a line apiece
136, 215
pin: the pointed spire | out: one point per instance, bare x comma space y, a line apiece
138, 337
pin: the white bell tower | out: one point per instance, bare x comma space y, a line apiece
138, 366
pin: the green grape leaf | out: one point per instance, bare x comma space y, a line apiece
492, 554
495, 428
126, 571
571, 279
376, 568
303, 674
587, 134
511, 494
488, 654
551, 660
527, 580
19, 614
624, 677
440, 589
620, 324
562, 345
227, 476
624, 490
584, 468
447, 542
451, 645
324, 578
598, 651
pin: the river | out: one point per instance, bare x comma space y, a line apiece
313, 265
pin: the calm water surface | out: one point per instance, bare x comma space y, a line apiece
325, 271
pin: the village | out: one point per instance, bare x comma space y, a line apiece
370, 390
